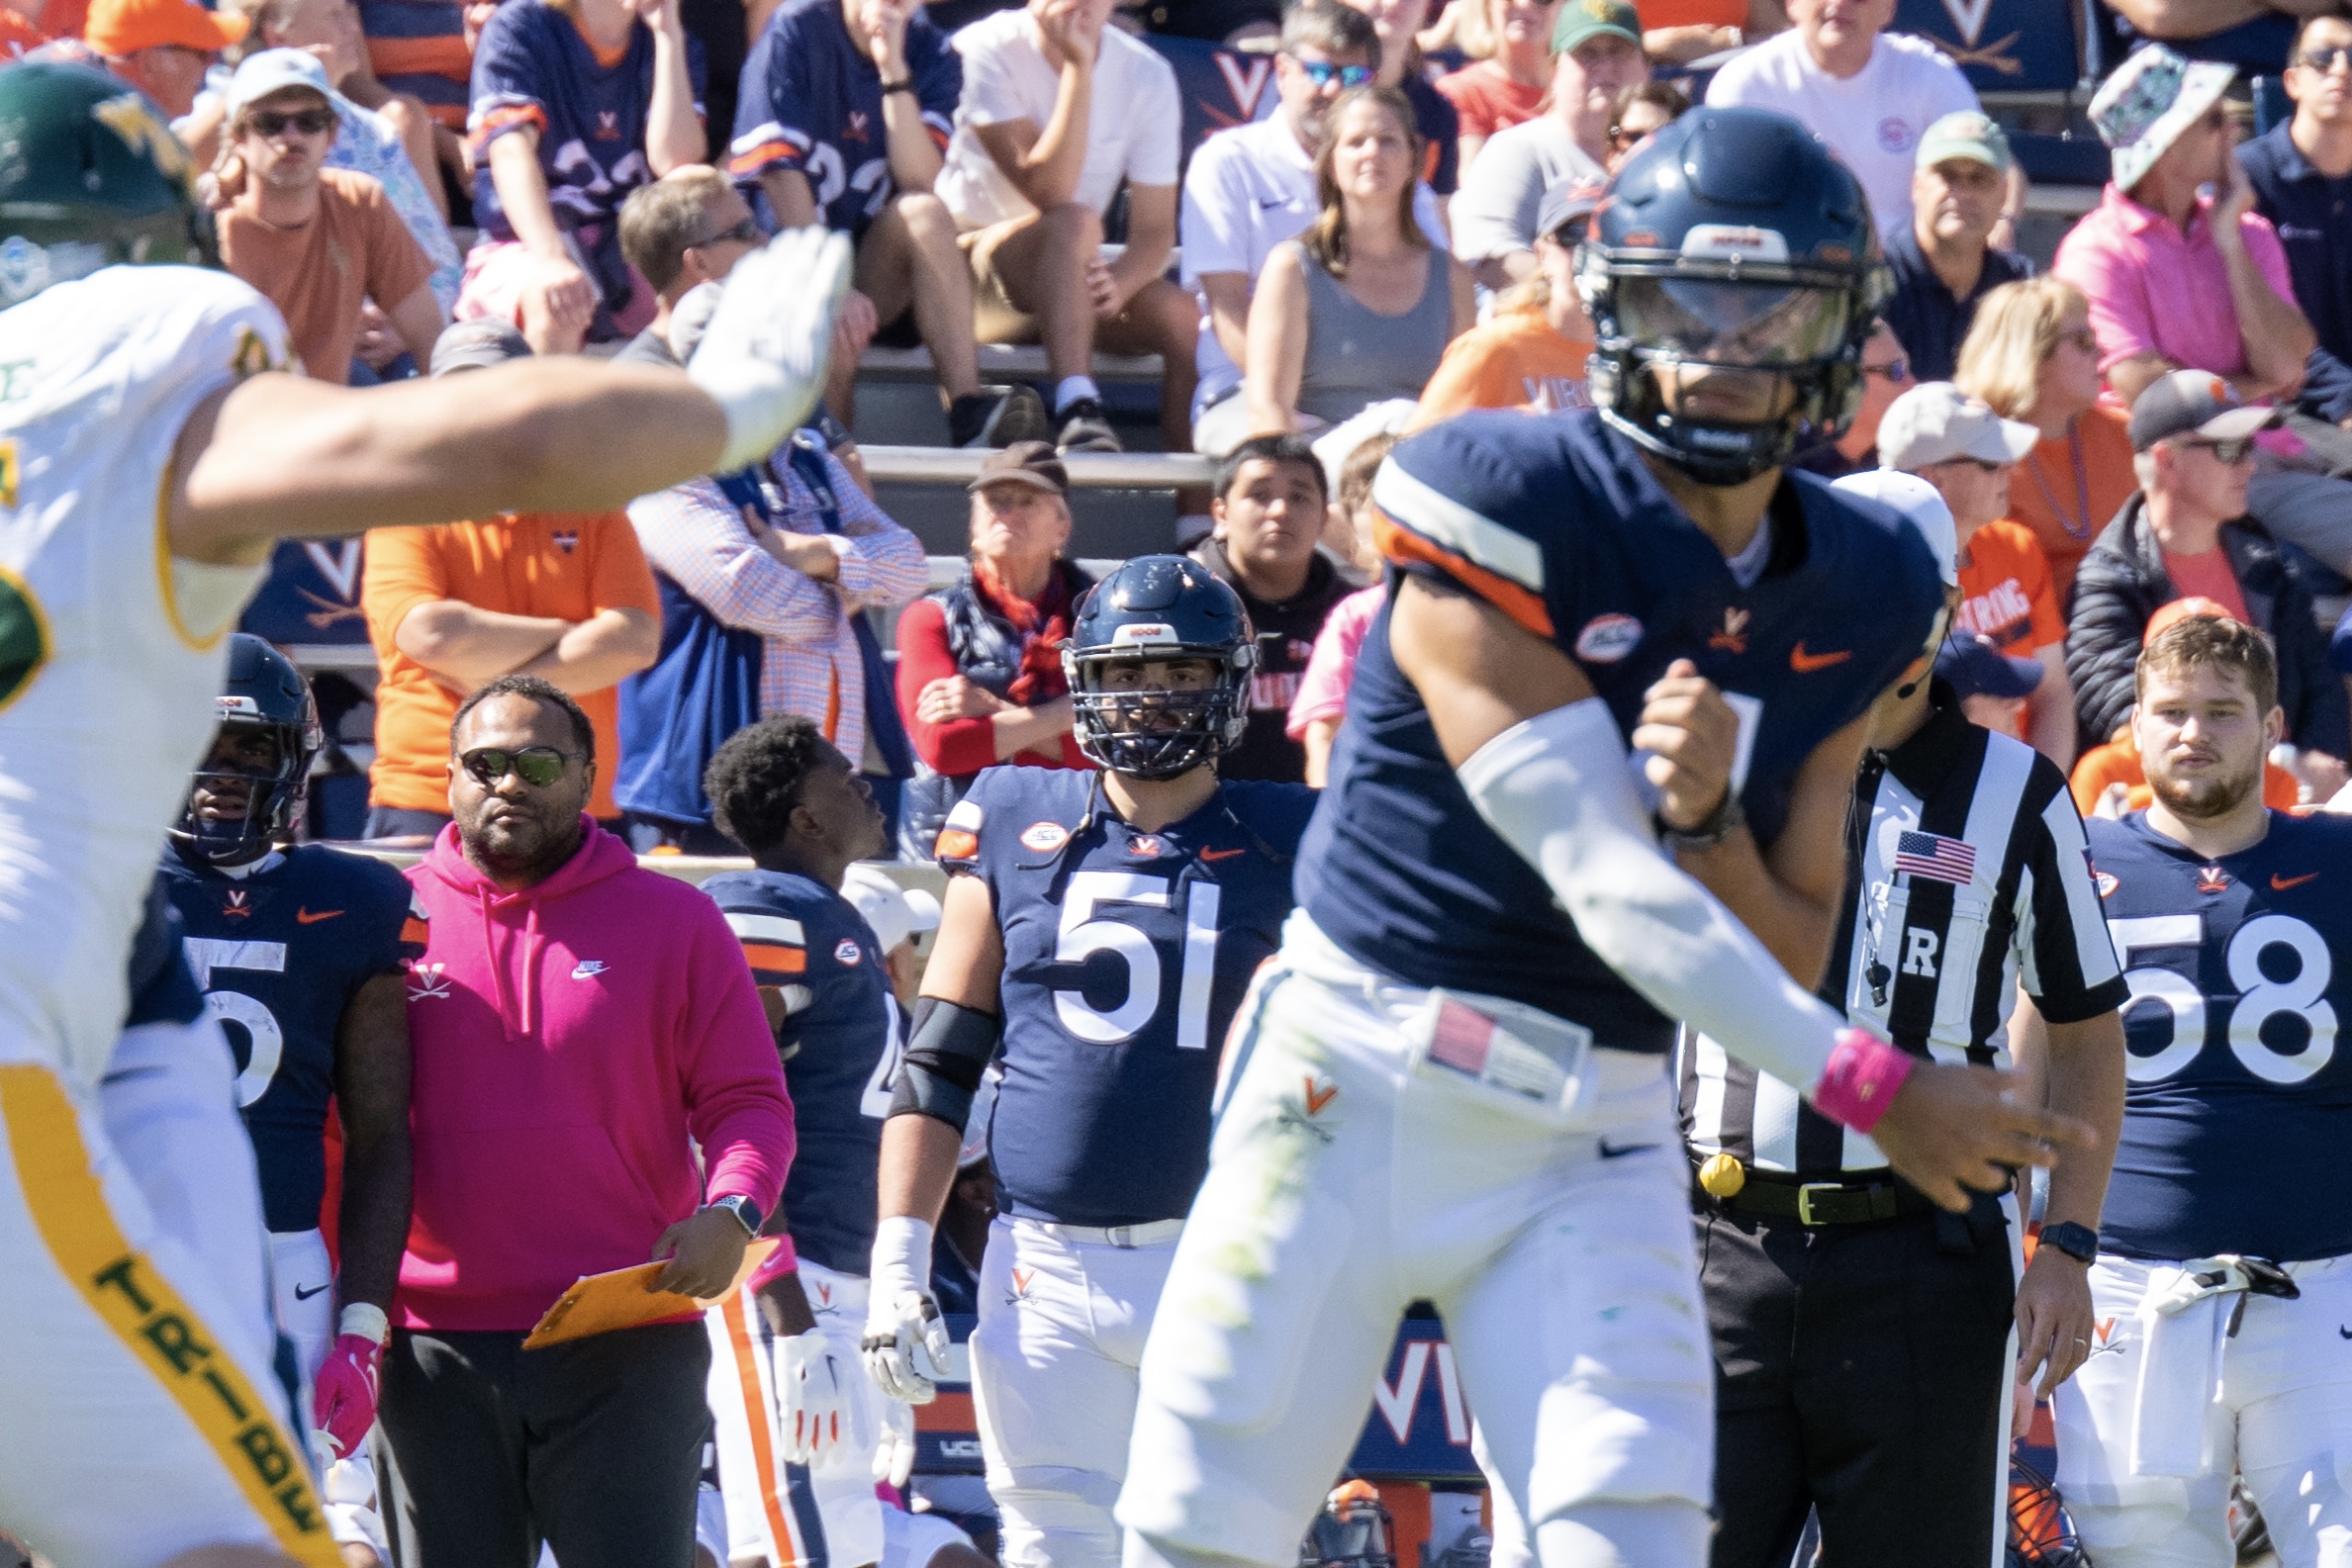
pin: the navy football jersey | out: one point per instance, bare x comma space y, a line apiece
812, 102
1561, 526
2238, 1099
1125, 955
840, 1041
163, 990
280, 952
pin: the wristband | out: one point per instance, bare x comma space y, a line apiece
1861, 1079
888, 88
783, 1260
902, 1262
365, 1321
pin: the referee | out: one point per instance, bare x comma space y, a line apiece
1863, 1335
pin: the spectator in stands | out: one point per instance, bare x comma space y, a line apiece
1958, 444
565, 597
595, 1085
1059, 112
1269, 506
1870, 97
315, 240
1677, 31
424, 49
574, 106
1596, 54
1530, 352
1994, 689
2033, 356
979, 663
1641, 109
1886, 376
162, 48
826, 143
2186, 533
1944, 262
1507, 86
1251, 187
1359, 309
2301, 174
686, 229
330, 28
1398, 23
2249, 34
1321, 702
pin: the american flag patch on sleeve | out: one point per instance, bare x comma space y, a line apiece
1936, 857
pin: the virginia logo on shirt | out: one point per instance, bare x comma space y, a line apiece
1732, 638
855, 130
427, 980
608, 125
240, 906
566, 539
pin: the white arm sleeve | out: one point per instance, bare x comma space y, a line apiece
1556, 789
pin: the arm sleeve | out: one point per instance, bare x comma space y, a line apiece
505, 83
959, 746
736, 1104
2103, 643
2065, 960
620, 577
692, 534
402, 570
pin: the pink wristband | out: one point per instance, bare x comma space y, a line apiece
1860, 1081
783, 1260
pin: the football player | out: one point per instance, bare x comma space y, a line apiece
2222, 1291
1097, 937
301, 952
1452, 1081
141, 422
799, 1427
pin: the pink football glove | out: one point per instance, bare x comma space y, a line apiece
343, 1394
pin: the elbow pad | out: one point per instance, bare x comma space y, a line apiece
1556, 788
948, 1048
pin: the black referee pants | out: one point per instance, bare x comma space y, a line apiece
1861, 1371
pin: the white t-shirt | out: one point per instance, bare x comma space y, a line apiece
1494, 213
1248, 190
1134, 122
1872, 119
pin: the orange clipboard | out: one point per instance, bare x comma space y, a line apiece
626, 1299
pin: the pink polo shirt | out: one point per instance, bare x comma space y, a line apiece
2156, 290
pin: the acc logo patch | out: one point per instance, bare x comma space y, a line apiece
23, 629
1045, 836
1605, 639
846, 951
2105, 882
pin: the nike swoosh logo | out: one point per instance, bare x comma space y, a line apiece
1806, 663
301, 1294
307, 918
1611, 1151
2346, 1332
2279, 885
1226, 854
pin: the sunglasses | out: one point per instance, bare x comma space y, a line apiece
536, 766
309, 121
2235, 450
1322, 73
746, 233
1892, 370
2083, 339
2326, 59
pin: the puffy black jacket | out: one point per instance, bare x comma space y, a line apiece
2122, 581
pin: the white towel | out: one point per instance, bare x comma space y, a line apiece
2181, 1326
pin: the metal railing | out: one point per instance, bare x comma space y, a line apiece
951, 465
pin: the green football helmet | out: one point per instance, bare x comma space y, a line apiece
90, 176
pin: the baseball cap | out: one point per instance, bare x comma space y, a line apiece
1976, 666
125, 27
896, 914
2171, 615
1920, 504
1583, 19
2194, 401
477, 345
273, 71
2152, 97
1964, 134
1564, 200
1032, 463
1935, 421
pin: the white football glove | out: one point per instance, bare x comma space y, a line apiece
812, 1409
764, 354
894, 1455
901, 1311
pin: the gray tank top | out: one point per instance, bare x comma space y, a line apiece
1357, 356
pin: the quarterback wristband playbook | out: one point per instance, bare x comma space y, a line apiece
947, 1051
1555, 788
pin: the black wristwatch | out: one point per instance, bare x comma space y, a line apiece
888, 88
1728, 817
2078, 1241
746, 1212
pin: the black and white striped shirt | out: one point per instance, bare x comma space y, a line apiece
1966, 875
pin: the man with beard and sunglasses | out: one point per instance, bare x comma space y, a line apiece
2224, 1279
579, 1026
1098, 933
300, 950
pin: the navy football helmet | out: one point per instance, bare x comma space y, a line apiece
264, 691
1156, 608
1731, 239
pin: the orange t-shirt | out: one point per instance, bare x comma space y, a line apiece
2117, 762
2064, 516
569, 566
357, 249
1657, 14
2005, 591
1514, 360
1488, 100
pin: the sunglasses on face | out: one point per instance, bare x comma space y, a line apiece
536, 766
2234, 450
746, 233
1322, 73
1892, 370
2325, 59
309, 121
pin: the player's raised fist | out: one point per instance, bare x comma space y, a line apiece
1952, 1130
1693, 738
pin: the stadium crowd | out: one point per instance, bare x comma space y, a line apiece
2160, 414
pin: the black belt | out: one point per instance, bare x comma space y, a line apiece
1820, 1202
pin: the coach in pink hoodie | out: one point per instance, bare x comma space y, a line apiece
580, 1028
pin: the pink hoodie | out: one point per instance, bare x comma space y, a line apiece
569, 1040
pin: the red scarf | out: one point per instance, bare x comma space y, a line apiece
1043, 627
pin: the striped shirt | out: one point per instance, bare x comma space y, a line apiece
1966, 877
811, 663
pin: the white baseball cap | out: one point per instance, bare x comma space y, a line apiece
1919, 502
273, 71
896, 914
1935, 421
